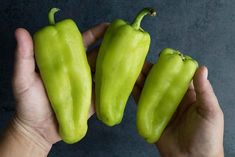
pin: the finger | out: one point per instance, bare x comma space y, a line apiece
92, 108
92, 59
136, 93
188, 99
147, 67
207, 102
24, 66
191, 86
140, 81
94, 34
142, 76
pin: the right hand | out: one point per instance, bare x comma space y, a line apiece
197, 127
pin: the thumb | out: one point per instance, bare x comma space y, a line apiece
24, 67
207, 102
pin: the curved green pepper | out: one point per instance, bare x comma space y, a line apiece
65, 72
164, 88
119, 62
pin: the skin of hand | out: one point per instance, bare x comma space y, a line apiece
197, 127
34, 119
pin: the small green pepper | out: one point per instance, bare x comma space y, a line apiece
63, 66
164, 88
119, 63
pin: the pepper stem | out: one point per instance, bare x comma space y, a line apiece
51, 15
140, 16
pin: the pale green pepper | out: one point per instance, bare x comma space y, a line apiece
163, 90
63, 65
119, 63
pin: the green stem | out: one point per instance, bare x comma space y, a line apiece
51, 15
140, 16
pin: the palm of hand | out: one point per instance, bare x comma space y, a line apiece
194, 131
34, 110
184, 134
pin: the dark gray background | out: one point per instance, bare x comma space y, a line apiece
204, 29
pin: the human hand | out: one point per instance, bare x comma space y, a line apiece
33, 110
197, 127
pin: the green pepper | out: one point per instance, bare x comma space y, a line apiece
63, 66
119, 63
164, 88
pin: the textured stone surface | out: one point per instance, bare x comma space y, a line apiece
204, 29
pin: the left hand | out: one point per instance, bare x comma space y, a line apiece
33, 110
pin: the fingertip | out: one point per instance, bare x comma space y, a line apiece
24, 56
200, 75
201, 84
204, 72
103, 25
94, 34
198, 79
21, 32
18, 33
24, 42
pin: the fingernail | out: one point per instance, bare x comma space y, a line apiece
205, 72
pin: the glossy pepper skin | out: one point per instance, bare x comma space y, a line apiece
63, 66
164, 88
119, 62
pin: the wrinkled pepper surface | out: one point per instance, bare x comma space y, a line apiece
63, 66
119, 63
164, 88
